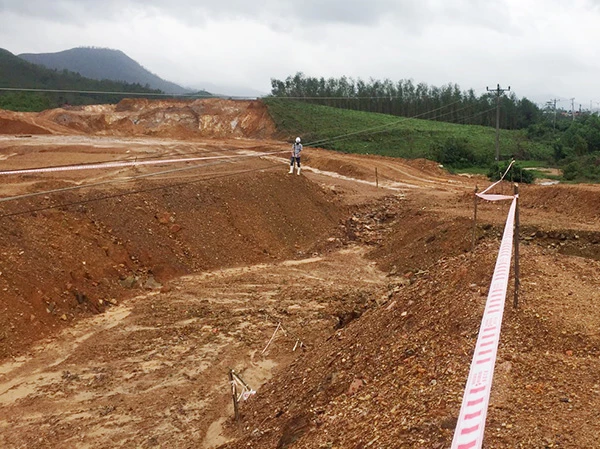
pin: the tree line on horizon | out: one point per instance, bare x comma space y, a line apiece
571, 142
406, 98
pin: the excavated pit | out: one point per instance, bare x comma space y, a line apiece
125, 304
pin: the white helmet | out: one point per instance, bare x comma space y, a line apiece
297, 139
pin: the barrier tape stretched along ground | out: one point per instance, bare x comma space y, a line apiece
471, 421
126, 164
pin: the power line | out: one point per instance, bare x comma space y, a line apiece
321, 141
386, 125
464, 119
142, 94
134, 192
114, 181
109, 165
118, 164
204, 96
379, 97
155, 157
498, 91
114, 164
347, 97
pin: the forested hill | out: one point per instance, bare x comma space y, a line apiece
18, 73
405, 98
103, 64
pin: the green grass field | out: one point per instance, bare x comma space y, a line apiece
387, 135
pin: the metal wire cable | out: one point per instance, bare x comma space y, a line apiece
143, 94
387, 125
463, 120
133, 192
119, 164
347, 135
112, 181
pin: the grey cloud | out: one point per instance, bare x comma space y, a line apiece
278, 13
63, 11
483, 13
288, 12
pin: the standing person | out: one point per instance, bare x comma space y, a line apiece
296, 149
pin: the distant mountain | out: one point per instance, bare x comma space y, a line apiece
103, 64
17, 76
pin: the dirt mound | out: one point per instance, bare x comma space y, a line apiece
426, 166
395, 377
545, 208
418, 239
405, 239
60, 264
384, 378
579, 202
213, 118
324, 161
399, 173
21, 124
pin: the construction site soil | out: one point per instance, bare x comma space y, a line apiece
351, 304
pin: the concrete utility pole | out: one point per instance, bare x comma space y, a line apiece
553, 104
573, 108
498, 92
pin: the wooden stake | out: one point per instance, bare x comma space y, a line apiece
376, 178
504, 204
516, 242
234, 396
474, 219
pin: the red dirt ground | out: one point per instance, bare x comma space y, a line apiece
125, 303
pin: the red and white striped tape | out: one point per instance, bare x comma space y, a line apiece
494, 197
471, 421
123, 164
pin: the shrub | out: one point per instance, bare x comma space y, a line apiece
455, 152
585, 169
516, 173
571, 171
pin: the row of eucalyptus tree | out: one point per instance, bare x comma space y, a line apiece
405, 98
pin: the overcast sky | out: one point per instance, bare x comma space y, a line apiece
541, 48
